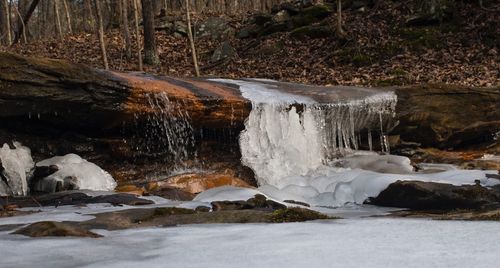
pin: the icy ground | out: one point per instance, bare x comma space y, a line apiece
364, 242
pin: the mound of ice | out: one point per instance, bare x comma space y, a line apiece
335, 187
17, 164
74, 173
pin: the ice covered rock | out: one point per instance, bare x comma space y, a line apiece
74, 173
226, 193
380, 163
16, 164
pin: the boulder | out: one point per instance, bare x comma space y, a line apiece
258, 202
198, 182
223, 51
215, 28
172, 193
419, 195
312, 32
52, 228
436, 115
310, 15
281, 16
296, 215
130, 189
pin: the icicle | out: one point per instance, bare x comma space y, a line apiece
370, 141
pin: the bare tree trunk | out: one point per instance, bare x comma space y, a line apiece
21, 26
68, 17
191, 40
88, 17
5, 30
58, 19
150, 51
100, 31
137, 33
125, 30
339, 18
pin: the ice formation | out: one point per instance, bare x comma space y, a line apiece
17, 165
307, 150
74, 173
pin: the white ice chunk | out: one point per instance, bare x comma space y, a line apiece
80, 173
16, 163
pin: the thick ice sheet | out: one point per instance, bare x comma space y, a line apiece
342, 243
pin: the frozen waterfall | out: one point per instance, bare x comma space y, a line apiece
303, 144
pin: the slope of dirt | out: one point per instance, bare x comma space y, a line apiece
378, 50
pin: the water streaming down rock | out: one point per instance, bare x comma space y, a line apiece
168, 131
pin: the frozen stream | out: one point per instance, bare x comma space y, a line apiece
364, 242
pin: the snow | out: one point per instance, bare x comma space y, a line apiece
330, 243
17, 164
77, 172
264, 93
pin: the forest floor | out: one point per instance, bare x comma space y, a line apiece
378, 50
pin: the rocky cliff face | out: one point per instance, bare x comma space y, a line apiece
113, 119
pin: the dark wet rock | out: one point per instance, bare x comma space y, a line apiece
297, 203
420, 195
231, 205
435, 115
51, 228
44, 171
172, 193
74, 198
296, 215
120, 199
259, 202
202, 209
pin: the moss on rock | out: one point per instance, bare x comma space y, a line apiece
296, 215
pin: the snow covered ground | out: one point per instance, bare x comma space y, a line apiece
364, 242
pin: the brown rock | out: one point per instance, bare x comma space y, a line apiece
196, 183
51, 228
446, 116
130, 189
